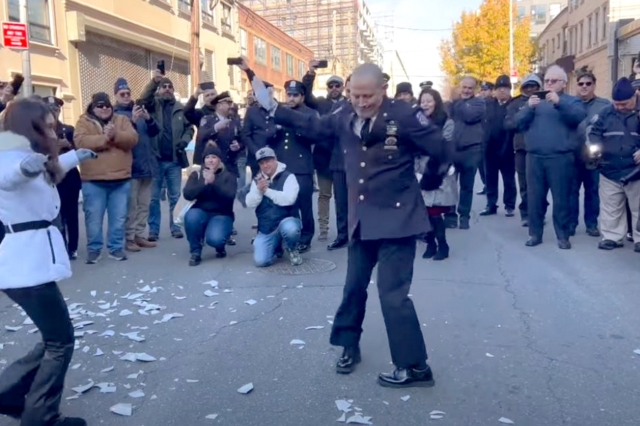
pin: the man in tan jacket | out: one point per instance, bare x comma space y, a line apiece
106, 181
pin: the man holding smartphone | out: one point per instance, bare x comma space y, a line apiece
550, 124
169, 147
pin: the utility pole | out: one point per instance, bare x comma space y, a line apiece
27, 87
195, 44
512, 71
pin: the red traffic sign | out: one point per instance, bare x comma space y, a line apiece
15, 35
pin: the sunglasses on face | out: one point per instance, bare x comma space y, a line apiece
335, 86
585, 83
103, 106
125, 94
551, 80
167, 86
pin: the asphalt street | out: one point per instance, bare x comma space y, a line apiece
535, 336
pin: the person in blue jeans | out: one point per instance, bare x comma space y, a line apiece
106, 180
158, 97
210, 219
273, 193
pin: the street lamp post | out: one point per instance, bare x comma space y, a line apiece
27, 87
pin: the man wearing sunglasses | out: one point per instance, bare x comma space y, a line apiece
584, 177
169, 147
550, 124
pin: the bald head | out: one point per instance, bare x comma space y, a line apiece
367, 89
370, 72
468, 87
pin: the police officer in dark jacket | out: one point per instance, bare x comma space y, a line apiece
258, 131
386, 212
613, 135
69, 188
551, 138
499, 155
223, 128
294, 150
530, 85
468, 114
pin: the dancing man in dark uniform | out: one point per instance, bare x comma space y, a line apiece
380, 140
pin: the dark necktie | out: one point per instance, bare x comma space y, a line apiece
366, 129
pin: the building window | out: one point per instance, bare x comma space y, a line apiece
290, 65
554, 10
207, 12
589, 31
243, 42
596, 27
39, 19
260, 50
605, 22
232, 75
184, 6
226, 18
539, 14
581, 36
276, 58
301, 72
522, 11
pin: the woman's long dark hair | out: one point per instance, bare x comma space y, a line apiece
439, 115
28, 118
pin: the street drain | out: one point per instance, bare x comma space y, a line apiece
309, 266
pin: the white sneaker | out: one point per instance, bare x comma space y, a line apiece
295, 257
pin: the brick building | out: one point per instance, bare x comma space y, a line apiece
272, 54
598, 34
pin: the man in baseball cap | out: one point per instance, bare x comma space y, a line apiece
273, 193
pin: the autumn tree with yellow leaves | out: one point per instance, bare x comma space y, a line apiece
479, 44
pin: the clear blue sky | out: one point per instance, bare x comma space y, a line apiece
419, 49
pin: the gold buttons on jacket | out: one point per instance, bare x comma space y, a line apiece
364, 148
361, 197
362, 164
361, 181
397, 204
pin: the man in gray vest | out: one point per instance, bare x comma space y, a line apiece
273, 194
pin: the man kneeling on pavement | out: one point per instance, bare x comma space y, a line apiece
274, 193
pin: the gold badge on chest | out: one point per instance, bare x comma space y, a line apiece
391, 141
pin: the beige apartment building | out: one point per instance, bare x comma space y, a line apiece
602, 35
79, 47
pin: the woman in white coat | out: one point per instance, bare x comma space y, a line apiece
33, 258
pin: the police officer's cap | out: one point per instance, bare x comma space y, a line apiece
53, 101
222, 97
426, 84
486, 86
294, 87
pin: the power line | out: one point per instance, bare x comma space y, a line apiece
415, 29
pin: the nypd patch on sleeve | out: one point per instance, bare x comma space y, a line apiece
422, 119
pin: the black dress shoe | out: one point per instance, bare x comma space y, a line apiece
221, 254
525, 223
533, 241
231, 241
630, 237
608, 245
303, 248
407, 378
593, 232
564, 244
337, 244
489, 211
347, 362
195, 260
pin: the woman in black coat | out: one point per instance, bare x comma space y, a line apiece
210, 219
